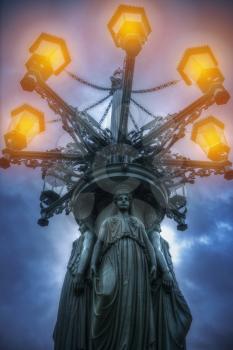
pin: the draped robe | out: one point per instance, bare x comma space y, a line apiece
122, 306
72, 330
171, 312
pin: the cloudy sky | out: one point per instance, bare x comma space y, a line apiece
33, 259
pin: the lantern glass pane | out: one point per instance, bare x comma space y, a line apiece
27, 124
196, 64
210, 136
126, 17
52, 52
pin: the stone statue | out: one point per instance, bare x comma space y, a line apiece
171, 312
123, 266
72, 330
120, 290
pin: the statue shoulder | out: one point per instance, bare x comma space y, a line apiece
111, 220
136, 220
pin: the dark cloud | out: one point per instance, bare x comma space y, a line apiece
205, 272
30, 269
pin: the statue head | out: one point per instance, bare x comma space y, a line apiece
123, 197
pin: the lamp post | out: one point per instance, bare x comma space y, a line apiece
97, 155
129, 28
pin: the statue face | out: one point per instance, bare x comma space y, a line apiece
123, 201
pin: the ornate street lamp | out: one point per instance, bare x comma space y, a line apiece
97, 158
129, 28
82, 176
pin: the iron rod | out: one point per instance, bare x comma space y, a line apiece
126, 95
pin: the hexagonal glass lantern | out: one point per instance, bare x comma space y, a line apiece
200, 66
209, 135
129, 28
26, 123
50, 55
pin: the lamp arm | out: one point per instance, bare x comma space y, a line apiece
181, 171
34, 159
60, 107
181, 119
188, 163
74, 122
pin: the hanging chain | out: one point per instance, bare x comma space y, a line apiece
87, 83
96, 103
103, 88
145, 110
156, 88
133, 121
105, 113
53, 121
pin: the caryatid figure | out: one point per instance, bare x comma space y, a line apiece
123, 266
72, 330
171, 312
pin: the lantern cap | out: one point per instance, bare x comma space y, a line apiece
210, 119
55, 40
192, 52
27, 108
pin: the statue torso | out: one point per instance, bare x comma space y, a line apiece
118, 227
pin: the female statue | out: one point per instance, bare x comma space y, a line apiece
72, 330
123, 266
171, 312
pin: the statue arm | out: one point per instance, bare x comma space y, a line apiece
87, 249
150, 253
98, 248
167, 276
83, 261
96, 255
156, 243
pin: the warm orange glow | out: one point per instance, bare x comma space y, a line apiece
209, 135
52, 50
200, 66
130, 28
26, 123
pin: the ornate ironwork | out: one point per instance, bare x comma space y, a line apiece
94, 147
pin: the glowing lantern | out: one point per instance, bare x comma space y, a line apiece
200, 66
208, 134
49, 55
130, 28
27, 122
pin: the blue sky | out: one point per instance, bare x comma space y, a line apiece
32, 259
